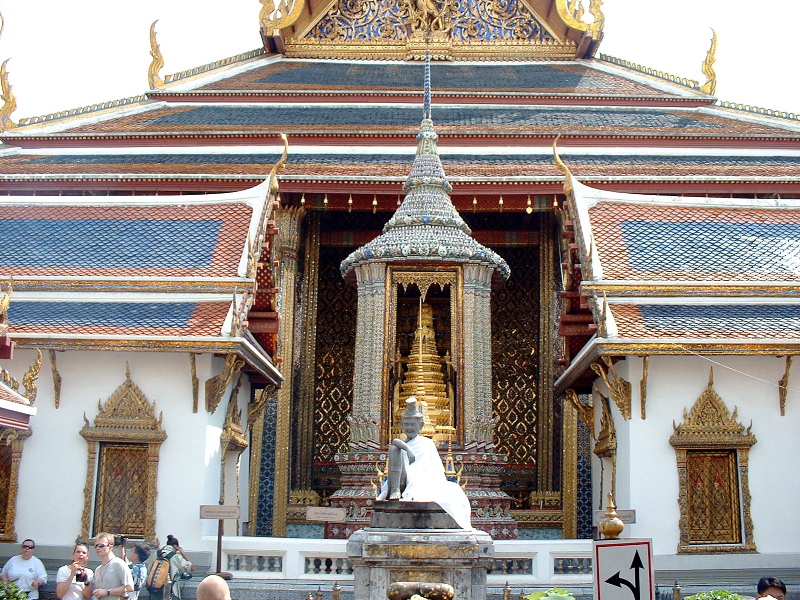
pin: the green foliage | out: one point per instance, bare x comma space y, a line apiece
556, 594
9, 591
714, 595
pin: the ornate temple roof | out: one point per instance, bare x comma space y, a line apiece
143, 273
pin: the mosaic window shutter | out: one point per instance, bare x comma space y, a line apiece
122, 490
713, 490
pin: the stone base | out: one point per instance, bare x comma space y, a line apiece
384, 555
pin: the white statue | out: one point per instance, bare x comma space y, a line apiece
416, 472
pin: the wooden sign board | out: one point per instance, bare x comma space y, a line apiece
623, 569
220, 511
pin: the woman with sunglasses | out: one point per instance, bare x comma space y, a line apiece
26, 570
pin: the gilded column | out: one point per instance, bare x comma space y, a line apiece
289, 221
477, 406
546, 360
370, 356
306, 342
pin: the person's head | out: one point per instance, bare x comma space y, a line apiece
80, 554
104, 546
172, 541
213, 587
771, 586
412, 418
28, 546
139, 553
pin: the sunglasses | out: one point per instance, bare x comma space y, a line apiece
101, 545
28, 547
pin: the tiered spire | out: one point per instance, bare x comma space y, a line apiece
426, 226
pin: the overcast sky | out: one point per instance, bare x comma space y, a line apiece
66, 54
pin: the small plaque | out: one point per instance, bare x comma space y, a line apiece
325, 513
220, 511
626, 515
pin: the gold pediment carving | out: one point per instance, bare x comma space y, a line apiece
709, 423
126, 416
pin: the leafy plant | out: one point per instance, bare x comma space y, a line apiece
10, 591
714, 595
555, 594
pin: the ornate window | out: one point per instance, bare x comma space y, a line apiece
714, 498
11, 442
124, 446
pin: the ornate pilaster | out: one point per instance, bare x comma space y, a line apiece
546, 358
289, 221
370, 356
477, 389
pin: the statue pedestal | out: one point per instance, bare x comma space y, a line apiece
491, 507
413, 541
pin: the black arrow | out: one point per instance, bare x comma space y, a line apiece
618, 581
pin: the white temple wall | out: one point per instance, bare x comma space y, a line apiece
54, 459
647, 477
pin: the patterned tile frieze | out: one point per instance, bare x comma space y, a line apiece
701, 321
638, 242
396, 165
403, 77
118, 318
330, 119
175, 241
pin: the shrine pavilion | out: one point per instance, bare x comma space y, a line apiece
224, 289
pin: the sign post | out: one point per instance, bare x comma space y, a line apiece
623, 569
220, 512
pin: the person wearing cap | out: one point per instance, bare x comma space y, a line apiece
416, 472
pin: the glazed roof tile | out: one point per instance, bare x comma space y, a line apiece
396, 165
190, 240
661, 242
328, 119
156, 318
707, 321
402, 77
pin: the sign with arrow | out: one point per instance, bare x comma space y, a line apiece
623, 569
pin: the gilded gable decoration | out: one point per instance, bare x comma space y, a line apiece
123, 444
712, 449
276, 15
710, 86
573, 16
8, 98
154, 80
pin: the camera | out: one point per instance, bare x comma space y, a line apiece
81, 576
119, 540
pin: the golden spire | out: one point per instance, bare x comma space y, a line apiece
9, 101
710, 86
153, 78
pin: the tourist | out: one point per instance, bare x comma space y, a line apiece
138, 555
74, 581
213, 587
416, 472
113, 577
771, 587
180, 567
25, 570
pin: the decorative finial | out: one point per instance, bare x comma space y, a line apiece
710, 86
562, 167
426, 92
153, 78
611, 526
9, 101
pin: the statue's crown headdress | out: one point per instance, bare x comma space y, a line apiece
412, 409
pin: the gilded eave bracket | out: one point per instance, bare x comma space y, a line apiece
783, 384
643, 386
215, 386
619, 389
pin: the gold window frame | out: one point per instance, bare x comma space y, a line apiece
709, 426
126, 417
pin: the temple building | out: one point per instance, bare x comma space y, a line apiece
223, 290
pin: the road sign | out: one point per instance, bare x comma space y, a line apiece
220, 511
623, 569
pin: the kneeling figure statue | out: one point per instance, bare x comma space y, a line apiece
416, 472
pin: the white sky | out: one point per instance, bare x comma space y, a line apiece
70, 53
